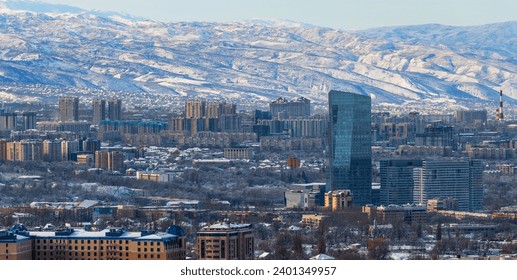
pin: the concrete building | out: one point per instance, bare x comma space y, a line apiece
110, 161
8, 121
14, 246
313, 220
52, 150
68, 109
99, 110
300, 107
115, 109
338, 200
29, 120
238, 153
460, 179
350, 152
436, 134
471, 116
392, 213
79, 244
438, 204
396, 178
226, 241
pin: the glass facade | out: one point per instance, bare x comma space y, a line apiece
350, 152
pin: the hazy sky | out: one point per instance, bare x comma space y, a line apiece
340, 14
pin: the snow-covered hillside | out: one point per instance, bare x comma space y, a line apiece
256, 61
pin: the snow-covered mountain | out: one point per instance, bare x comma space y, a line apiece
64, 47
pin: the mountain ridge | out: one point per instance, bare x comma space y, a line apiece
257, 62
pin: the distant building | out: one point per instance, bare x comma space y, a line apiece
471, 116
393, 213
68, 109
313, 220
99, 110
437, 204
436, 134
300, 107
460, 179
338, 200
293, 162
238, 153
52, 150
396, 176
350, 153
79, 244
305, 196
115, 110
226, 241
110, 161
29, 120
8, 121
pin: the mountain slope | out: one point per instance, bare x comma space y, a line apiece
253, 62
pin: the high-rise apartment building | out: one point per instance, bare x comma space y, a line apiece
112, 161
52, 150
68, 109
350, 152
99, 110
8, 121
115, 109
194, 109
226, 242
300, 107
29, 120
460, 179
397, 180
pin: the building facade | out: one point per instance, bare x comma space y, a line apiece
99, 110
350, 152
226, 242
460, 179
68, 109
396, 178
283, 108
79, 244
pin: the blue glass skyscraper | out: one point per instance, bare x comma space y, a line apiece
350, 151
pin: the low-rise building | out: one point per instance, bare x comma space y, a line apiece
80, 244
338, 200
409, 213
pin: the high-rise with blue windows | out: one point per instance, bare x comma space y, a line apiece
350, 151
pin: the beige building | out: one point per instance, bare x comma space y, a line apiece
78, 244
392, 213
313, 220
238, 153
14, 246
225, 241
338, 200
112, 161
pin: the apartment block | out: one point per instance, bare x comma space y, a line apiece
226, 241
